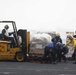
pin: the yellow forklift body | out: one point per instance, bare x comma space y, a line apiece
7, 53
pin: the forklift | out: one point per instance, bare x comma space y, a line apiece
10, 52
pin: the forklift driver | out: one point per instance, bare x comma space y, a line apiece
6, 35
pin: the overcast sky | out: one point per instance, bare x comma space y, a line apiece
40, 15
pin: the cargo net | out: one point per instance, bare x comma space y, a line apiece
38, 42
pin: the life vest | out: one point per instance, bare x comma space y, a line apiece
6, 33
74, 42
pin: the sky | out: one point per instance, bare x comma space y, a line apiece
41, 15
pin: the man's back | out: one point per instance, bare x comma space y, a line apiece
5, 32
50, 45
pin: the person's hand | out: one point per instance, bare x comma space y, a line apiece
11, 33
62, 53
70, 49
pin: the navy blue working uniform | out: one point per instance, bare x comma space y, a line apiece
49, 49
61, 51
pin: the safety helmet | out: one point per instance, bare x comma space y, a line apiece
57, 35
6, 26
70, 37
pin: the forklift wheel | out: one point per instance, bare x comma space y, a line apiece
20, 57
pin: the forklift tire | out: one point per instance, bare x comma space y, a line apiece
20, 57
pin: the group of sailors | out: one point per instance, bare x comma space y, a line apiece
56, 50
